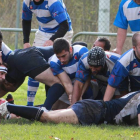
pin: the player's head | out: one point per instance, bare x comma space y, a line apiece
3, 71
137, 1
63, 50
136, 44
103, 43
96, 59
1, 38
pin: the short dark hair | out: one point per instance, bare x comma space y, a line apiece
4, 64
60, 44
1, 37
106, 42
134, 39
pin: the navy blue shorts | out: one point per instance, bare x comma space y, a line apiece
26, 62
89, 111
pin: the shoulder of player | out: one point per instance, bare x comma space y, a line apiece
109, 54
127, 58
83, 60
27, 2
124, 3
54, 59
50, 2
128, 55
77, 48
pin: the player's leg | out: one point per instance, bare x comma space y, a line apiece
31, 113
56, 89
68, 36
54, 92
41, 38
34, 113
47, 77
31, 92
59, 116
61, 103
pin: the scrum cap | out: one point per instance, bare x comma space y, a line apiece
96, 56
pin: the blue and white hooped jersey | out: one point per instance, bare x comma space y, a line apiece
5, 51
128, 13
57, 67
49, 14
127, 65
83, 70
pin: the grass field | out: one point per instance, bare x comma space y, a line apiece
27, 130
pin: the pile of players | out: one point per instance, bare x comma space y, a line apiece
87, 82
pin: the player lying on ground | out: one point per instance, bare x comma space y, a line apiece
85, 112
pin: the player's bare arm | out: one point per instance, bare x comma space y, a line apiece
11, 87
65, 80
86, 85
77, 91
109, 93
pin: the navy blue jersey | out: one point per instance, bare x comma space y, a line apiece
23, 61
116, 105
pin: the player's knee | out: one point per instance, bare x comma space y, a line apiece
44, 117
56, 81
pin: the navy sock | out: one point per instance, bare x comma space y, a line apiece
46, 89
54, 92
28, 112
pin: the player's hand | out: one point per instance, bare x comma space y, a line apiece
26, 45
48, 43
117, 51
13, 116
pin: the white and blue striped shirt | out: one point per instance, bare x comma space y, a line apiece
5, 51
83, 70
128, 13
70, 68
49, 14
127, 65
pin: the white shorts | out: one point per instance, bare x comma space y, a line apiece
42, 37
64, 98
96, 87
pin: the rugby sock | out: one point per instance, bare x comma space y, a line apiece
46, 89
10, 99
54, 92
28, 112
32, 89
